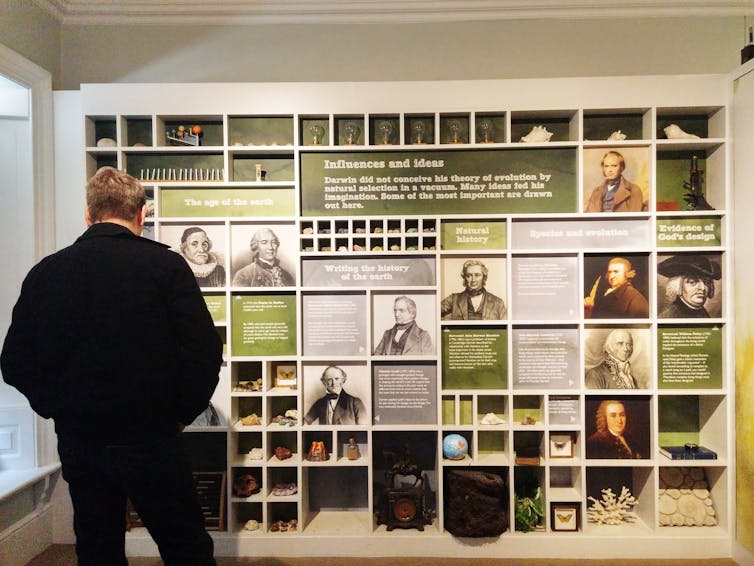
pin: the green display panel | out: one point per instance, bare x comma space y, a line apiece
488, 235
264, 325
474, 358
439, 182
690, 357
217, 307
689, 232
209, 203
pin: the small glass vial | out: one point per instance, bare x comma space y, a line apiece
352, 452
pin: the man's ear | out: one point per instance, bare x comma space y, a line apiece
141, 216
88, 216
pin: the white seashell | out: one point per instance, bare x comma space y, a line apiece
674, 132
491, 419
617, 135
106, 142
251, 525
291, 414
537, 134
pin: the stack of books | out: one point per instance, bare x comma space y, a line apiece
688, 452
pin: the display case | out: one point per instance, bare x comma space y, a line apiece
366, 215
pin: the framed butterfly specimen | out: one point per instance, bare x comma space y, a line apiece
561, 445
565, 516
285, 376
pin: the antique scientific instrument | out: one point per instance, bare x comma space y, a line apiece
403, 502
694, 195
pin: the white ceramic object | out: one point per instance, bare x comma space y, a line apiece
491, 419
617, 135
537, 134
674, 132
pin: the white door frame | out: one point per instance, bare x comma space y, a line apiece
39, 81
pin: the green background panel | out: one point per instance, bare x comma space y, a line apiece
486, 357
364, 185
211, 203
710, 230
264, 325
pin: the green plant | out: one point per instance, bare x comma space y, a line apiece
528, 512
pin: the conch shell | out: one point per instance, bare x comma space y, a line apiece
537, 134
617, 135
674, 132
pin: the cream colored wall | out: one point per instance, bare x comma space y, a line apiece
31, 32
374, 52
743, 110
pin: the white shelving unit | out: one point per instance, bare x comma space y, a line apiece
274, 126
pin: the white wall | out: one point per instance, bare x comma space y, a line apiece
377, 52
31, 32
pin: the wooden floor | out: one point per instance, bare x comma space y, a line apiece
64, 555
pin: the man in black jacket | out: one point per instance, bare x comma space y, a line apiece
112, 339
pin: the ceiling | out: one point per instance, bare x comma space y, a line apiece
373, 11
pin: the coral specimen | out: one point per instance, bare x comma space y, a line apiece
613, 510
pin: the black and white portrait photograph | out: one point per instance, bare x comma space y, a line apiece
403, 324
617, 358
336, 394
689, 285
202, 246
264, 255
473, 288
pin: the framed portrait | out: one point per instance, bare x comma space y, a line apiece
689, 285
263, 255
486, 273
617, 285
630, 166
565, 516
603, 345
285, 376
608, 417
203, 248
561, 445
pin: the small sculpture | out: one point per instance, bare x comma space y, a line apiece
613, 510
617, 135
537, 134
674, 132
